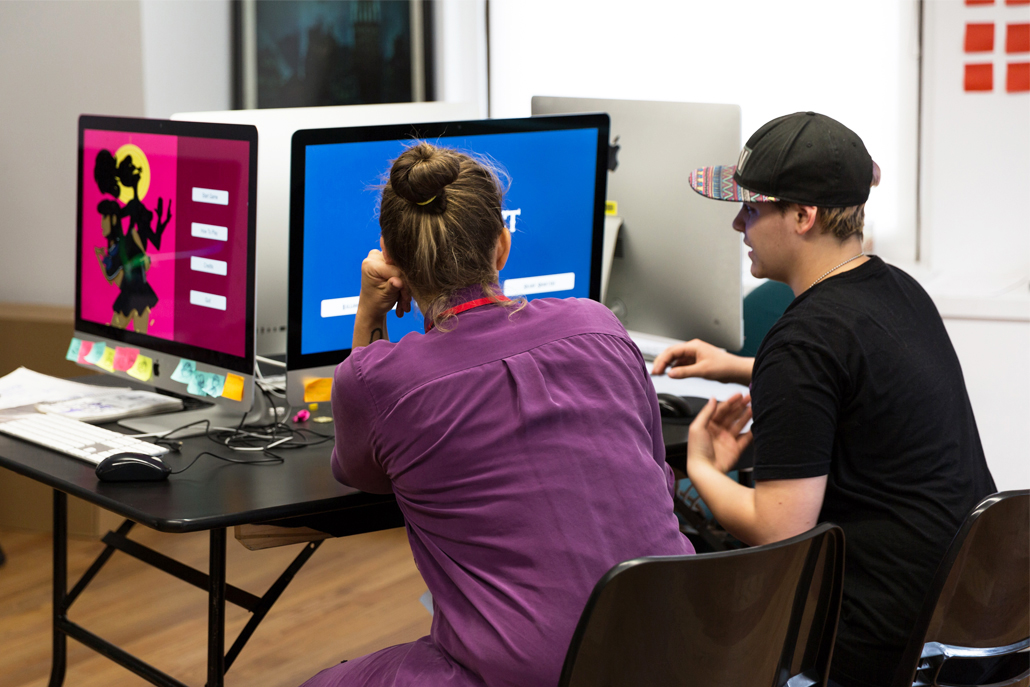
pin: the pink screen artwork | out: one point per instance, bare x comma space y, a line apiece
164, 250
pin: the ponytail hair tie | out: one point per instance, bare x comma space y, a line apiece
427, 202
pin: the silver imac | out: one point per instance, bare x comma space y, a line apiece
677, 267
275, 130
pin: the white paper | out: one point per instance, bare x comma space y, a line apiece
24, 387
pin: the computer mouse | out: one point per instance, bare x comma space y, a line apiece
678, 407
132, 467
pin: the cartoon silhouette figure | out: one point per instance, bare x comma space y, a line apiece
124, 261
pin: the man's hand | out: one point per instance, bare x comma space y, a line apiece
382, 287
699, 359
715, 434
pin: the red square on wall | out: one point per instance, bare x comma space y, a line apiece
1017, 80
979, 77
1017, 38
979, 2
979, 37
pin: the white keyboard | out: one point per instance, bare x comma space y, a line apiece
76, 439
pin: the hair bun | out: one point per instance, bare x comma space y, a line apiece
421, 174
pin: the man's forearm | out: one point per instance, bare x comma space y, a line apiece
732, 504
743, 370
774, 510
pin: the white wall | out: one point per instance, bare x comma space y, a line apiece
187, 56
460, 52
854, 60
57, 61
976, 151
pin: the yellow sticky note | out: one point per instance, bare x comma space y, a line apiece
142, 369
106, 361
611, 207
318, 390
233, 388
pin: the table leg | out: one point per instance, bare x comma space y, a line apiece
59, 656
216, 610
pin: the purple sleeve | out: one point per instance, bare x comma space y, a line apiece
354, 462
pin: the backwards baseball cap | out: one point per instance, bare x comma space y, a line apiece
804, 158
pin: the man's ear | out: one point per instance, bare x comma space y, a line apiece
804, 218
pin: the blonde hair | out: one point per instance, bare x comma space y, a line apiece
843, 223
440, 217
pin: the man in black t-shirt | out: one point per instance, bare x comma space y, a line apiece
861, 415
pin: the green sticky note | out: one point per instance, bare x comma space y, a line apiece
184, 372
196, 383
73, 350
96, 353
213, 384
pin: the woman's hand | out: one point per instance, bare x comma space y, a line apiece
382, 287
715, 437
700, 359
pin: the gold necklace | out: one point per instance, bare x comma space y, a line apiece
829, 272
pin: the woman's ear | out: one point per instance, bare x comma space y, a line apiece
502, 249
382, 248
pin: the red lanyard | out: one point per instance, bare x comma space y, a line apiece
468, 305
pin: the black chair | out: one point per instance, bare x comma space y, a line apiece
977, 610
762, 617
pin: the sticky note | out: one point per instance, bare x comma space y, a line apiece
979, 2
184, 372
73, 350
142, 369
212, 384
1017, 2
1017, 38
106, 361
979, 37
611, 207
318, 390
979, 77
196, 384
84, 348
233, 388
1017, 80
124, 358
96, 353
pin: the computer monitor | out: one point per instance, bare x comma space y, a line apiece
677, 267
275, 129
554, 208
165, 255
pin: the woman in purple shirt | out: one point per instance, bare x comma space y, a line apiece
522, 440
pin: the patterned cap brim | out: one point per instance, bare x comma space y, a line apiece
718, 183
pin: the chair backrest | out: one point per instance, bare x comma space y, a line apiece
980, 595
756, 617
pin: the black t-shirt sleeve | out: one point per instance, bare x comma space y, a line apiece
795, 396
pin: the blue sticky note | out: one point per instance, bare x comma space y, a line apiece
96, 353
213, 384
196, 383
73, 350
184, 372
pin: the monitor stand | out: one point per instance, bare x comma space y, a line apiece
218, 416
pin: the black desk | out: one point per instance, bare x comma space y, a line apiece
212, 495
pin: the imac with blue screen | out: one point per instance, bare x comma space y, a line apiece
553, 207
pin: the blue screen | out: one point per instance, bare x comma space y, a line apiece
549, 208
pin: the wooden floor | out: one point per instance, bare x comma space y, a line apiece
355, 595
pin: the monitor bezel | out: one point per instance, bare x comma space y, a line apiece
295, 359
238, 132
